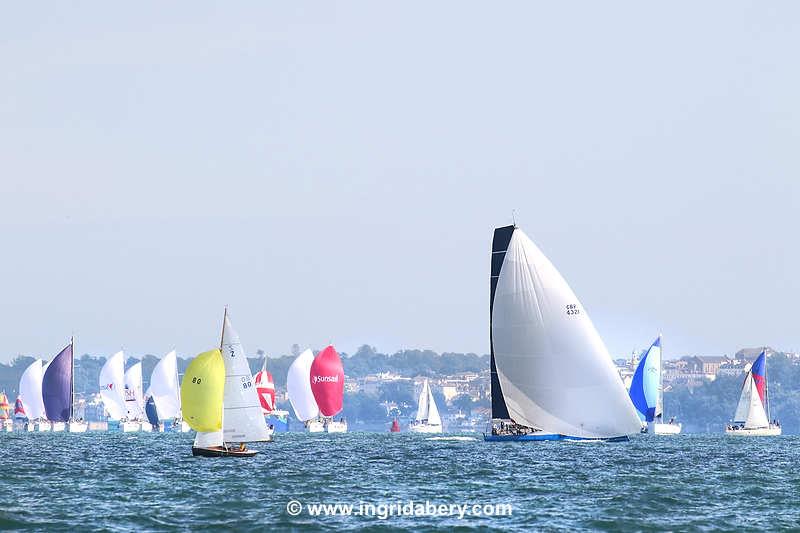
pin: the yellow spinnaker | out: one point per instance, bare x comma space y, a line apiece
202, 389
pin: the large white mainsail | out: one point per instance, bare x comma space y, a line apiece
743, 407
30, 390
554, 371
242, 420
134, 396
112, 386
164, 387
422, 406
298, 387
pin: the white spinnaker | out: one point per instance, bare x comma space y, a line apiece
298, 387
30, 390
422, 405
164, 387
433, 412
134, 395
554, 370
242, 420
756, 415
112, 386
743, 407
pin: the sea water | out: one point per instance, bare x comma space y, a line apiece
151, 482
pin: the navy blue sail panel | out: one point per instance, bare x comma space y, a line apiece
502, 237
151, 412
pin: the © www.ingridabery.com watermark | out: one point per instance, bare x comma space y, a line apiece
410, 508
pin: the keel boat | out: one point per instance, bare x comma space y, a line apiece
552, 377
427, 419
647, 393
752, 413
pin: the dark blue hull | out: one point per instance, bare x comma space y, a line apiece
548, 436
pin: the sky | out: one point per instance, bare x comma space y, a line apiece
333, 171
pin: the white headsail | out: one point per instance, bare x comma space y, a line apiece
298, 387
242, 420
134, 395
433, 412
30, 390
554, 371
164, 387
422, 405
743, 407
112, 386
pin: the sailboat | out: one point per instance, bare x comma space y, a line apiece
220, 402
112, 391
752, 413
427, 419
298, 388
58, 392
552, 377
20, 417
134, 399
165, 393
6, 423
277, 419
327, 385
30, 390
647, 393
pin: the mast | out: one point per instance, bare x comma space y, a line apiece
222, 336
72, 377
766, 388
661, 377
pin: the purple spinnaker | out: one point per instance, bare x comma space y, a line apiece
57, 387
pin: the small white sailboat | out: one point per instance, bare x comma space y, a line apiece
752, 417
298, 388
30, 391
220, 402
647, 393
165, 391
552, 377
134, 401
112, 392
427, 419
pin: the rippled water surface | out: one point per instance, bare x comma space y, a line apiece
152, 482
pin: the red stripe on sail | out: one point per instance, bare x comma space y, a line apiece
265, 388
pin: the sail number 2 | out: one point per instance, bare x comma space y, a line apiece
572, 309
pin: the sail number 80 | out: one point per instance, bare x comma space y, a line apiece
197, 380
572, 309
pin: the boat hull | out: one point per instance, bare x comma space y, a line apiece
43, 427
548, 436
663, 429
219, 451
425, 428
146, 427
336, 427
8, 426
77, 427
315, 426
771, 431
130, 426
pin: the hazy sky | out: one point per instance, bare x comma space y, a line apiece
333, 171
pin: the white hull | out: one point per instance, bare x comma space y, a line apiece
315, 426
8, 426
185, 428
146, 427
26, 426
77, 427
59, 426
425, 428
771, 431
43, 427
663, 429
336, 427
130, 426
